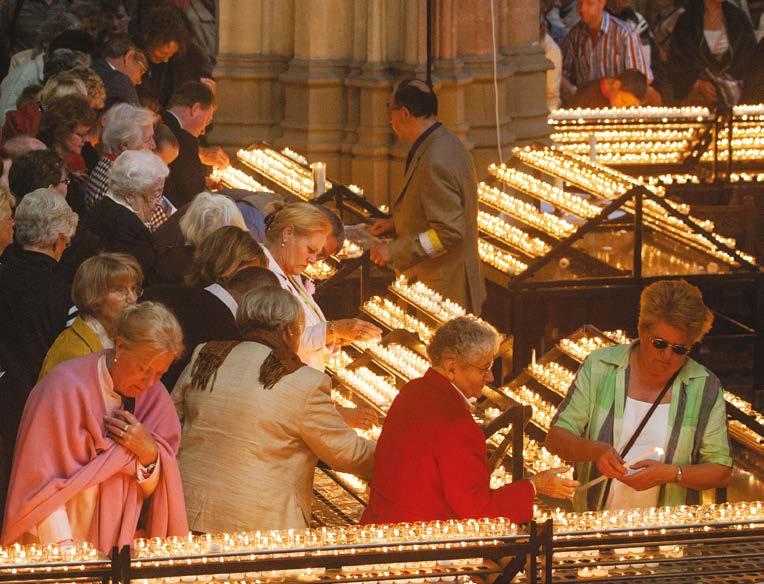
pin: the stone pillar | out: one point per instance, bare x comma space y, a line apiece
314, 84
368, 154
256, 40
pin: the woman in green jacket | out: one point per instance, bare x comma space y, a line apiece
103, 286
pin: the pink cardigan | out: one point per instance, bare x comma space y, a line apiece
61, 450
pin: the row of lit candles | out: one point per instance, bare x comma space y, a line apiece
375, 388
282, 170
320, 270
610, 184
580, 348
403, 360
237, 179
426, 298
543, 411
641, 113
500, 259
553, 375
394, 317
539, 189
511, 235
525, 212
650, 135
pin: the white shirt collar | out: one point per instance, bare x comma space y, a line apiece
224, 296
174, 115
100, 331
464, 397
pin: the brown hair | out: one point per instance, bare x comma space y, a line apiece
191, 93
679, 304
223, 253
99, 274
63, 116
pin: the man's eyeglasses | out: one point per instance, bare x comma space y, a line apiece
661, 344
65, 181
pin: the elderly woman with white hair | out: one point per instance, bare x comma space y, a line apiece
125, 127
34, 300
431, 461
207, 213
136, 181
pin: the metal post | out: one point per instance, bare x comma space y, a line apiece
716, 146
531, 564
429, 43
124, 561
115, 566
548, 543
517, 443
730, 124
638, 226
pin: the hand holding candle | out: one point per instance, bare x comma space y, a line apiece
635, 463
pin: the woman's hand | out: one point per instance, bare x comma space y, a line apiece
355, 329
125, 429
551, 484
650, 473
610, 463
361, 418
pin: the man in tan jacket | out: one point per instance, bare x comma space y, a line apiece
434, 217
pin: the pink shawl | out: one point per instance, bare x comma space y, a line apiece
61, 450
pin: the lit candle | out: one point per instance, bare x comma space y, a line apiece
319, 178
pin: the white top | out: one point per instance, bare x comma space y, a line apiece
553, 75
73, 521
313, 350
717, 41
224, 296
653, 435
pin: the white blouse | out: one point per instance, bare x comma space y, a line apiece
313, 350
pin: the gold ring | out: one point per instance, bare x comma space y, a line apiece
122, 434
125, 427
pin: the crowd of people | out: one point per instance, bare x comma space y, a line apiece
606, 54
162, 357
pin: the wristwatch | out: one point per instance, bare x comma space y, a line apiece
679, 474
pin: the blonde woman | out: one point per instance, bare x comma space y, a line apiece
295, 236
599, 423
103, 287
7, 203
112, 436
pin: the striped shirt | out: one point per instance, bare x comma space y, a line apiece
616, 49
594, 405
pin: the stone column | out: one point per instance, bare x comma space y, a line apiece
314, 84
255, 44
368, 155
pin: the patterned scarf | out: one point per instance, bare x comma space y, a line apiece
280, 362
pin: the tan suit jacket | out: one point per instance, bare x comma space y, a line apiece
435, 217
247, 453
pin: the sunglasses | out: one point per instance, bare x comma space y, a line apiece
661, 344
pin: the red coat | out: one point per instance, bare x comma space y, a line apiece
431, 462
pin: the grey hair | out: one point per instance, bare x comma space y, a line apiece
123, 127
462, 338
209, 212
42, 216
135, 172
152, 325
270, 309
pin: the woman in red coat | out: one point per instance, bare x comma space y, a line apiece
431, 460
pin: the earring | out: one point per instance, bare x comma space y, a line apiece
283, 243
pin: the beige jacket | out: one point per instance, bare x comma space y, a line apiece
435, 217
247, 454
